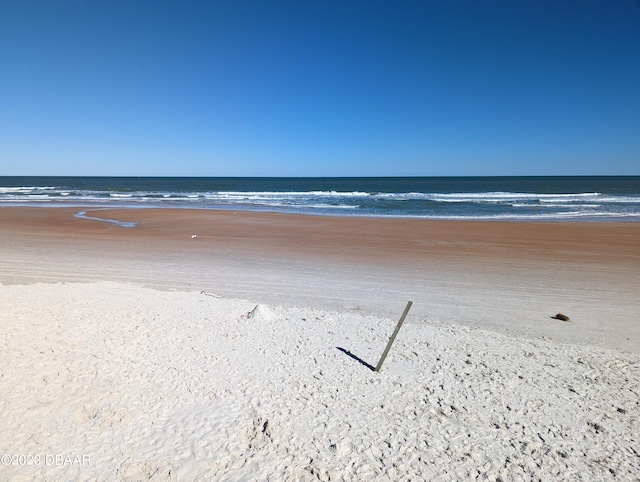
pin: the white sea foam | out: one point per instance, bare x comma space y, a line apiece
432, 205
557, 205
124, 224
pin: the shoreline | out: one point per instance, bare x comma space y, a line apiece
605, 219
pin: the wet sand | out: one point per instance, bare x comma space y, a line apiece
371, 240
508, 276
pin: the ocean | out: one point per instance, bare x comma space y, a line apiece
589, 198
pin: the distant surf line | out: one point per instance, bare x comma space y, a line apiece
509, 199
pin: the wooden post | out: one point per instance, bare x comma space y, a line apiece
393, 337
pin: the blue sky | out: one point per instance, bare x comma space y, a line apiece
319, 88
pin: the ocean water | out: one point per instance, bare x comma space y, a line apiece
591, 198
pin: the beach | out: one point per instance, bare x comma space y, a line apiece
229, 345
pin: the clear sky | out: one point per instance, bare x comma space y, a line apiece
319, 87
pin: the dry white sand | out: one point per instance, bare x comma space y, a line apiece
131, 383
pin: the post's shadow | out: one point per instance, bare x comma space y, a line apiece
356, 358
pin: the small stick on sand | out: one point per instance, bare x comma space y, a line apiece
209, 294
393, 337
